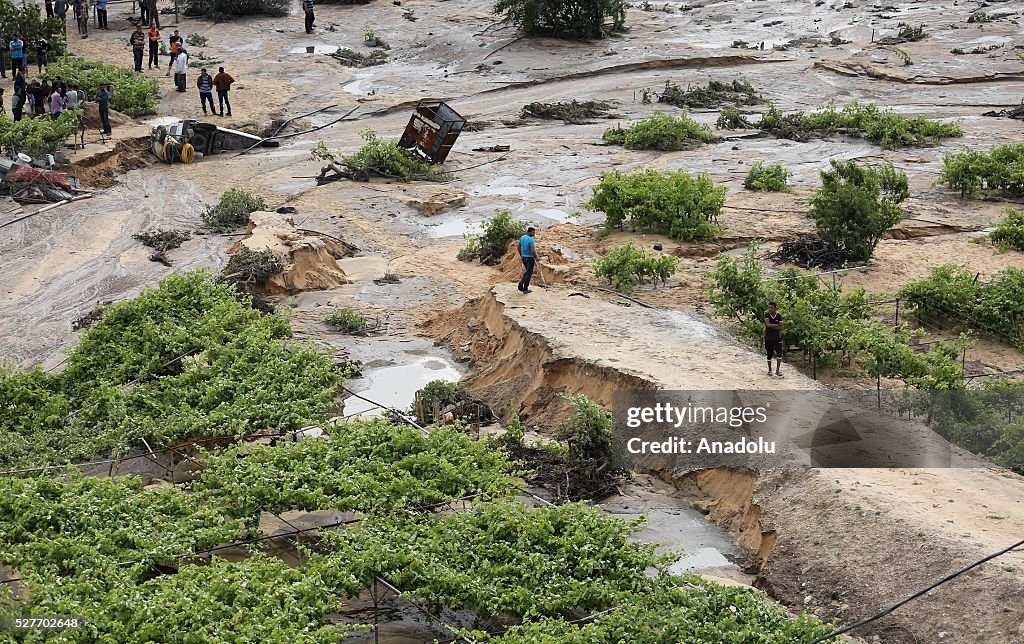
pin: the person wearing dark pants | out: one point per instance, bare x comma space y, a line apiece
42, 53
222, 81
154, 47
137, 42
180, 69
773, 327
17, 48
101, 14
528, 254
307, 6
103, 102
205, 85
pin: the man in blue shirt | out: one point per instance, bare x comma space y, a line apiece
101, 13
527, 253
17, 46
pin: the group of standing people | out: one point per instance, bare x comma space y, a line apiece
35, 98
80, 8
179, 65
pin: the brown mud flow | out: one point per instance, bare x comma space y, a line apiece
840, 543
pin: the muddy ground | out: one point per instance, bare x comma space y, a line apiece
840, 543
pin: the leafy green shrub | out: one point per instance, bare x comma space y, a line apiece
770, 178
489, 246
233, 210
134, 94
379, 157
627, 266
189, 358
36, 137
731, 119
250, 267
857, 204
572, 19
904, 56
367, 466
661, 132
219, 9
907, 33
1009, 233
347, 321
196, 40
588, 431
444, 393
710, 96
671, 203
862, 120
955, 294
999, 170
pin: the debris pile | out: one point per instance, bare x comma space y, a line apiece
28, 184
161, 241
710, 96
351, 58
811, 252
572, 112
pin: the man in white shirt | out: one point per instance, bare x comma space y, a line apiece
180, 68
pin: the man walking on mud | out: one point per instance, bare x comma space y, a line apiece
773, 337
528, 254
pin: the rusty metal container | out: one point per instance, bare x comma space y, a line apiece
432, 131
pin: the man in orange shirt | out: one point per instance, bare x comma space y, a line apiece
222, 81
175, 42
154, 47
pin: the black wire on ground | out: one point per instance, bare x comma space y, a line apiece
919, 593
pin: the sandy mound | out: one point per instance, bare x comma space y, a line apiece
434, 200
91, 117
310, 261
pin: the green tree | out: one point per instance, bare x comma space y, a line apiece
857, 204
572, 19
671, 203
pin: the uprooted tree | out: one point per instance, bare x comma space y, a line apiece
572, 19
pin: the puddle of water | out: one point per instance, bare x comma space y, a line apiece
701, 559
359, 87
676, 527
314, 49
397, 386
453, 228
